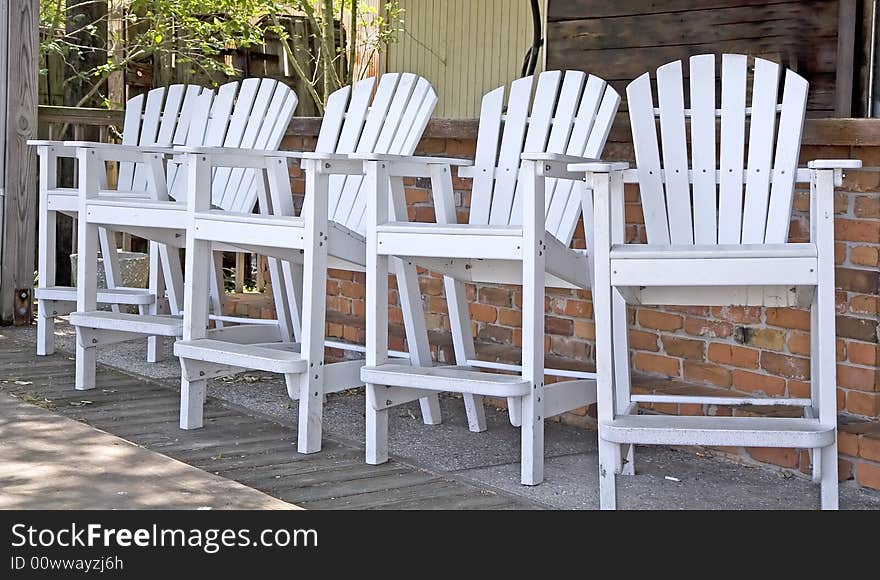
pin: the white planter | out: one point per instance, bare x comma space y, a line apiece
134, 268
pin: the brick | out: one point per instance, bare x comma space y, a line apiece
865, 256
857, 328
684, 347
868, 475
633, 213
352, 290
839, 253
497, 334
495, 296
798, 389
785, 365
657, 364
705, 373
867, 206
760, 337
799, 343
584, 329
414, 195
509, 317
695, 310
783, 457
560, 326
869, 447
659, 320
569, 347
737, 356
857, 230
483, 312
844, 470
708, 328
788, 318
461, 147
865, 404
740, 314
861, 353
861, 281
858, 378
848, 443
865, 304
641, 340
578, 308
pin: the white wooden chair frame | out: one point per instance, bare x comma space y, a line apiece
158, 119
524, 211
745, 260
394, 121
259, 119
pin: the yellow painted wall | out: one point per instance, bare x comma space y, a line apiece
464, 47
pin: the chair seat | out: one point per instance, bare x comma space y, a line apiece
134, 296
269, 357
454, 379
711, 251
735, 431
146, 324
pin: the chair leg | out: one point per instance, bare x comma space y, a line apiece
311, 402
609, 454
192, 403
622, 380
627, 460
86, 363
377, 430
829, 485
155, 344
45, 328
46, 273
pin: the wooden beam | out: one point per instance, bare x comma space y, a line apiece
846, 42
20, 202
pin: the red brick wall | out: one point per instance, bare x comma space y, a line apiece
694, 349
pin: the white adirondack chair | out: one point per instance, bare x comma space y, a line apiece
713, 242
328, 233
522, 219
252, 116
159, 118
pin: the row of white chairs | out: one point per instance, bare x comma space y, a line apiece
203, 171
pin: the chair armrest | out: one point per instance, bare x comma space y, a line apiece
412, 159
108, 148
599, 166
240, 152
556, 157
59, 149
835, 164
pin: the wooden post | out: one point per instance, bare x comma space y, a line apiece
846, 42
18, 23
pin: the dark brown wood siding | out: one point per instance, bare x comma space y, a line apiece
620, 40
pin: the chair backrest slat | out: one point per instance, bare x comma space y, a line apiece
131, 131
417, 107
571, 113
235, 131
170, 114
734, 74
595, 145
223, 194
376, 117
791, 125
271, 132
755, 214
560, 135
644, 130
670, 94
511, 150
537, 136
765, 89
705, 191
352, 125
148, 133
486, 155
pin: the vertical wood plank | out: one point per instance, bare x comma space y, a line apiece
20, 181
846, 42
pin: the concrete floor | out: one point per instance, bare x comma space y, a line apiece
491, 459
